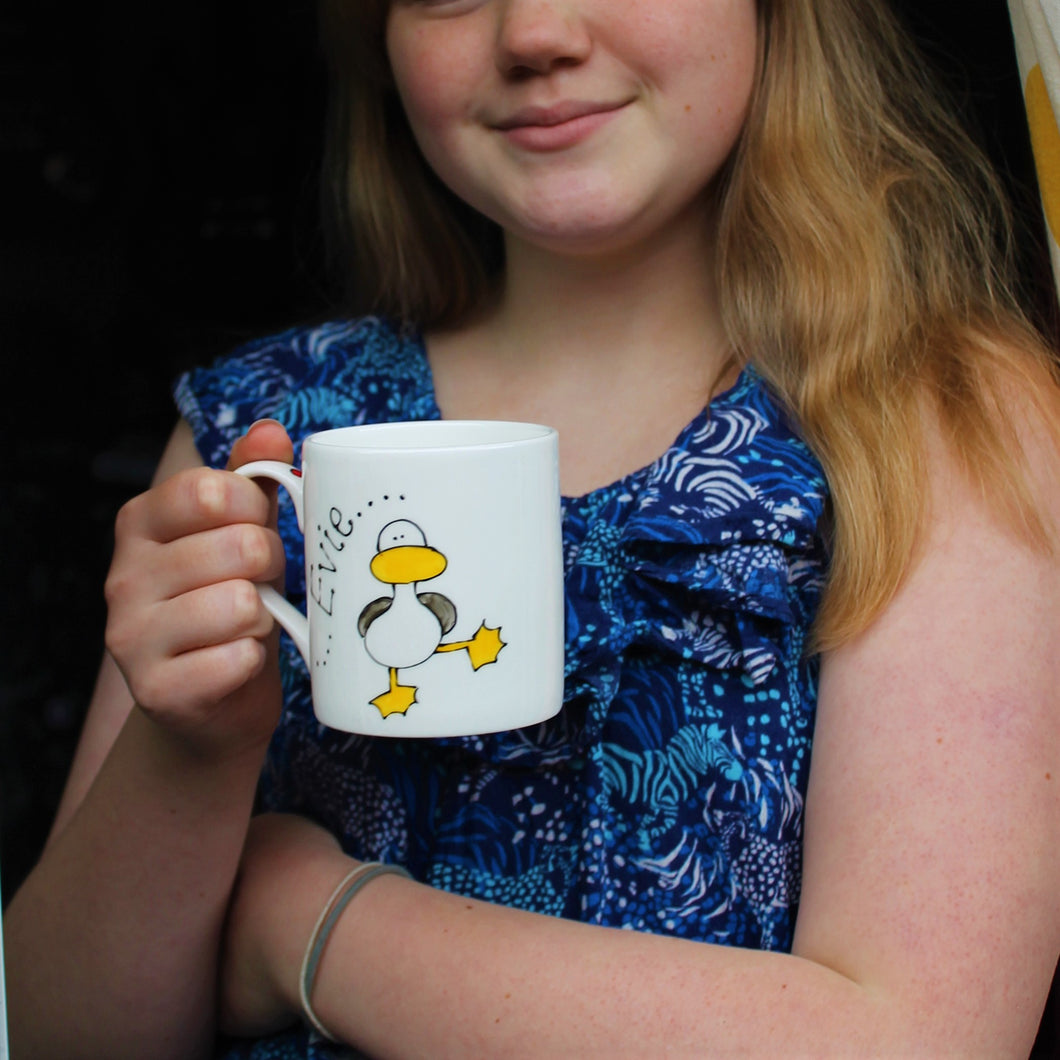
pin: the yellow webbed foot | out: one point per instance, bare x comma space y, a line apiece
485, 646
396, 699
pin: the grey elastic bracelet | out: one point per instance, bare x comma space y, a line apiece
329, 915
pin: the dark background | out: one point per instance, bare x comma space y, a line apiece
159, 166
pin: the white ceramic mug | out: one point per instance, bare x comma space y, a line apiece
433, 575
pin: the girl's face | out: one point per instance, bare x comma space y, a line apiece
578, 125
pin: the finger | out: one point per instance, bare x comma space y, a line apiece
139, 588
264, 440
214, 614
245, 551
188, 686
145, 639
189, 502
144, 571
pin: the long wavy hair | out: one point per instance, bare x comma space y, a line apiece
864, 262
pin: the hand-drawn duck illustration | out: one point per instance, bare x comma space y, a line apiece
406, 629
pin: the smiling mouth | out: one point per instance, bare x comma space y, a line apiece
558, 127
549, 117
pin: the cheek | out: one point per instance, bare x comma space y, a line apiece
428, 83
711, 72
720, 97
410, 63
712, 42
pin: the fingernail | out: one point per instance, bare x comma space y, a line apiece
257, 423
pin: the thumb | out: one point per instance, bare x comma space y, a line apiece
264, 440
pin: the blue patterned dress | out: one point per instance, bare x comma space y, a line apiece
667, 795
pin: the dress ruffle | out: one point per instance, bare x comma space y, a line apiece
717, 559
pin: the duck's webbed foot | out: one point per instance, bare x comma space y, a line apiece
396, 699
482, 648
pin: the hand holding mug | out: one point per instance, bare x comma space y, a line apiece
184, 623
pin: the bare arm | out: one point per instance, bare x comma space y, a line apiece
112, 940
111, 699
929, 924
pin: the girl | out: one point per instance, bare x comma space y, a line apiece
743, 260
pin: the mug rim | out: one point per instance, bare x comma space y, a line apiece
429, 436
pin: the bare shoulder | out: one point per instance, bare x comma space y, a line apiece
1022, 391
933, 811
1035, 406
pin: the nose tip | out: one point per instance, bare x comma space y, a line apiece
535, 36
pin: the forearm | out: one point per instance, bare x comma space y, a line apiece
464, 978
112, 941
409, 970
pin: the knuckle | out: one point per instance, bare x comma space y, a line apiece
120, 586
254, 549
209, 491
128, 518
144, 681
172, 699
125, 516
116, 640
114, 587
151, 690
248, 656
245, 604
123, 631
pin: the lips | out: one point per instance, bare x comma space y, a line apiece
557, 114
555, 127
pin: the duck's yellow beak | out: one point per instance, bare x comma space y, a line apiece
408, 563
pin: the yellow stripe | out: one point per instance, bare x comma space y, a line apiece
1045, 139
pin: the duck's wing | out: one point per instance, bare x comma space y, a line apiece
371, 612
441, 607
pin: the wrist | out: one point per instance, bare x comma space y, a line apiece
295, 891
347, 890
184, 754
289, 866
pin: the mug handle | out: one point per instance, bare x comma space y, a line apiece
293, 621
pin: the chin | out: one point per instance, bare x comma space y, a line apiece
601, 217
584, 228
597, 235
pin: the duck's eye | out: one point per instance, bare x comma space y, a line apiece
400, 532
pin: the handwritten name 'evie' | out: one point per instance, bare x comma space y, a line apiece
324, 569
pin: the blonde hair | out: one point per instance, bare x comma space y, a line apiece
864, 266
